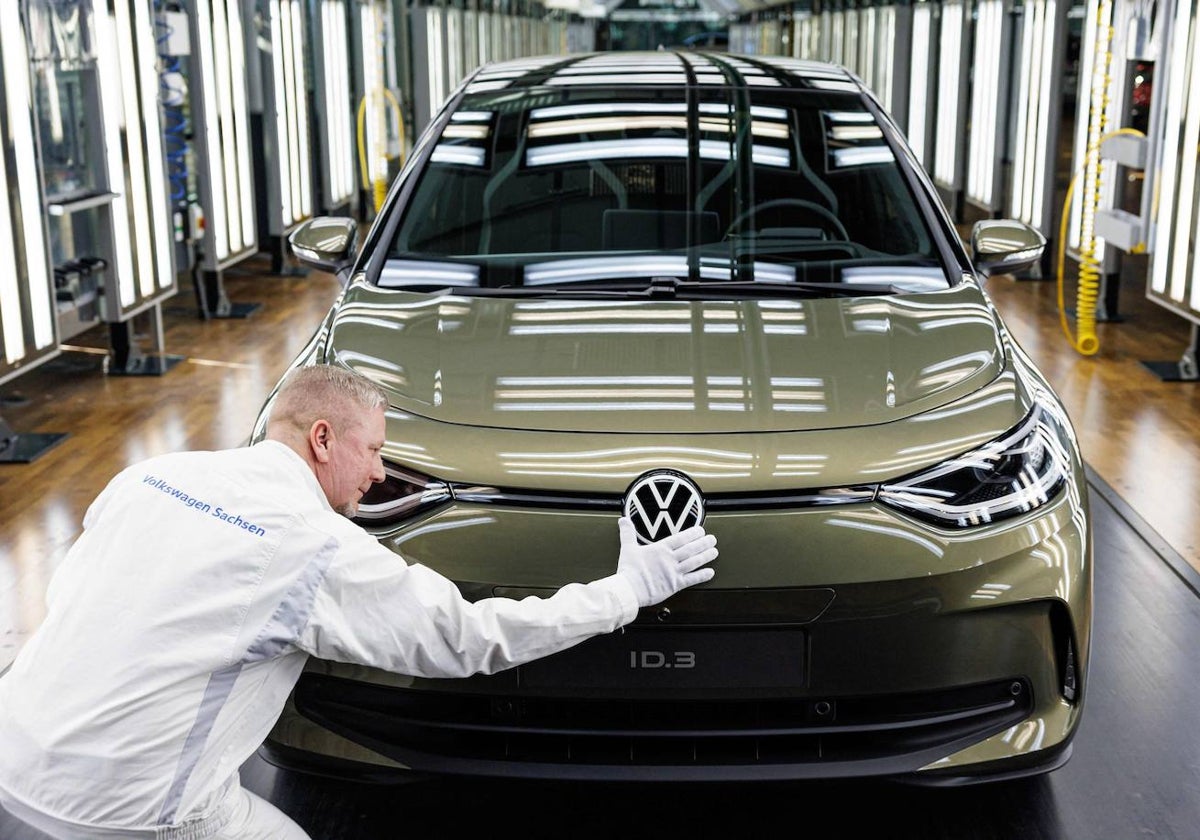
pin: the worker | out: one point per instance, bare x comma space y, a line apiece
181, 618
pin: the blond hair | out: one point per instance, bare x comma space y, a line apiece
324, 392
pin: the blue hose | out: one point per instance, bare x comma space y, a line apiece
175, 123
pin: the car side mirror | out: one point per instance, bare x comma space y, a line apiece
1004, 245
327, 243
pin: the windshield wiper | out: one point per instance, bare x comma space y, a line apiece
670, 288
801, 288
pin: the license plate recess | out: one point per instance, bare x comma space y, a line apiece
699, 659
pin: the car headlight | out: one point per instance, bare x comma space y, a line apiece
402, 495
1007, 477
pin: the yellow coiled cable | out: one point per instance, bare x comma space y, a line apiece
1087, 293
378, 186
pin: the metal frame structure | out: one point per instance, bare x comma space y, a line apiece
222, 145
989, 105
430, 84
922, 75
375, 96
1089, 128
1174, 281
1042, 47
332, 109
281, 125
28, 326
118, 182
948, 159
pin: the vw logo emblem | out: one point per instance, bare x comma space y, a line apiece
661, 503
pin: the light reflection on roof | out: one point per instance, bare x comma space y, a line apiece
663, 68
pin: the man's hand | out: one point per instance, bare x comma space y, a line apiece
659, 570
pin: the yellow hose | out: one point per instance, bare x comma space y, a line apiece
1087, 294
378, 186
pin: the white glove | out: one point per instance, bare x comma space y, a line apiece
659, 570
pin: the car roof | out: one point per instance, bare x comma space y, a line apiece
662, 68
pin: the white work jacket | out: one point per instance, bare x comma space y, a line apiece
181, 619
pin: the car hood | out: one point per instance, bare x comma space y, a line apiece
549, 364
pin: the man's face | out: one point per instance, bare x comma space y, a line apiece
354, 462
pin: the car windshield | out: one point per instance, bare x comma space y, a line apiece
602, 188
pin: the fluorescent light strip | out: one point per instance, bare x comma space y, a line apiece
284, 161
484, 22
10, 295
559, 128
866, 47
290, 112
454, 69
918, 84
1168, 167
463, 155
241, 121
403, 272
335, 142
621, 79
842, 117
613, 108
1185, 211
301, 120
890, 15
376, 142
342, 103
606, 149
228, 132
648, 147
837, 37
1042, 160
112, 111
1019, 207
15, 79
136, 123
437, 61
466, 132
945, 159
1083, 116
16, 67
1083, 218
803, 43
1030, 172
861, 157
538, 274
850, 45
855, 133
217, 225
160, 214
347, 113
981, 162
470, 29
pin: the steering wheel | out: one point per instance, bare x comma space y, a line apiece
821, 212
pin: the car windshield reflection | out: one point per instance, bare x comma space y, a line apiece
540, 187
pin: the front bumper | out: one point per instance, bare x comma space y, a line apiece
878, 670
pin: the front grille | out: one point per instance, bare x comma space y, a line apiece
480, 733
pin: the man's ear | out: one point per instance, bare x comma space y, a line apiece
320, 436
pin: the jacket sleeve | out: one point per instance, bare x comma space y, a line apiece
373, 608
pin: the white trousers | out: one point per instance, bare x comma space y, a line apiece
242, 816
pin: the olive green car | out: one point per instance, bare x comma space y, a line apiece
695, 287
